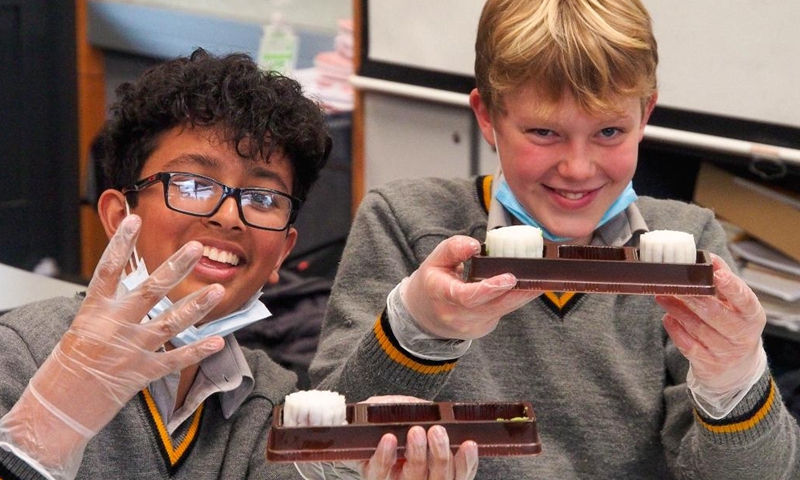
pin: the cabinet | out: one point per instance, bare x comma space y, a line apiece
405, 137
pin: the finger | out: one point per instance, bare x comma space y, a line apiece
698, 319
112, 263
187, 312
416, 453
165, 278
711, 313
735, 291
687, 344
497, 291
452, 252
472, 294
440, 458
382, 462
180, 358
466, 461
467, 322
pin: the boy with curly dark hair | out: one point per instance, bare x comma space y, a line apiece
209, 159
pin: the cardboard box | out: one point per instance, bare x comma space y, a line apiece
769, 214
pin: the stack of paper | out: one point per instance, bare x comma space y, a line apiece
774, 277
329, 80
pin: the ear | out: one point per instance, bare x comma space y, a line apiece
288, 246
111, 208
482, 115
648, 110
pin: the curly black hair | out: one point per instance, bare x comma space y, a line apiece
257, 111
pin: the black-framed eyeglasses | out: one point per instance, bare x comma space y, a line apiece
202, 196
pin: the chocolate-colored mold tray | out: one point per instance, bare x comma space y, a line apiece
499, 429
598, 269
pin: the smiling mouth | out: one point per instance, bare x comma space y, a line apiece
221, 256
571, 195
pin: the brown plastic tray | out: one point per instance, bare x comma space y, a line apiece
598, 269
499, 429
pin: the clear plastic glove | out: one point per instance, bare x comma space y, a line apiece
427, 456
413, 339
445, 306
106, 357
721, 338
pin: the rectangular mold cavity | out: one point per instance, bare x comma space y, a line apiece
584, 252
470, 412
499, 429
598, 269
403, 413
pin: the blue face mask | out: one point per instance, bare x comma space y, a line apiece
253, 310
510, 202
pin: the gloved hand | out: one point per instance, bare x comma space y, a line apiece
442, 304
106, 357
427, 456
721, 337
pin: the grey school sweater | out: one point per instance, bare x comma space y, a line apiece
606, 383
130, 446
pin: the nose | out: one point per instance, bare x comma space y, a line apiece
576, 162
227, 215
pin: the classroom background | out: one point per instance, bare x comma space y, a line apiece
725, 134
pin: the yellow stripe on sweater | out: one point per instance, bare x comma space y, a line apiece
400, 358
487, 191
559, 300
175, 453
747, 424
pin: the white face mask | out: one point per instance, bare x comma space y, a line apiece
252, 311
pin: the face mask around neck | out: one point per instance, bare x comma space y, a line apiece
251, 312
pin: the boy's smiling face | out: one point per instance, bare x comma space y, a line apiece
244, 258
566, 167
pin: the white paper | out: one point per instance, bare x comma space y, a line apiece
778, 286
756, 252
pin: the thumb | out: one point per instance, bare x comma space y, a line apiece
453, 251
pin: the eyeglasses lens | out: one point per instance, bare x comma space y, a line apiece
201, 196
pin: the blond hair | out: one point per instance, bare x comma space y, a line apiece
597, 50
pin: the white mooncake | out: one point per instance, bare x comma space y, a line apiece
667, 246
518, 241
308, 408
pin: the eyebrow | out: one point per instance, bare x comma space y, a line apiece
619, 118
203, 160
192, 159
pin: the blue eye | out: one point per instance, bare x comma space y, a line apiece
609, 132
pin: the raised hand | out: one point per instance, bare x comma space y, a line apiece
107, 355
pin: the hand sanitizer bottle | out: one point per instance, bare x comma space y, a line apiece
278, 48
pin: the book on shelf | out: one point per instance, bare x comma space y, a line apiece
774, 277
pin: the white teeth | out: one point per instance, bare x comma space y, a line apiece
571, 195
221, 256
